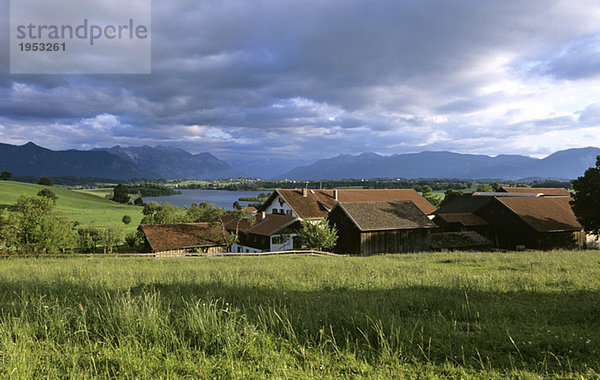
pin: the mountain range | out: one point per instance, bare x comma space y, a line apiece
169, 162
116, 163
566, 164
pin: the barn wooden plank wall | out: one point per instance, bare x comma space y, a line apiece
394, 241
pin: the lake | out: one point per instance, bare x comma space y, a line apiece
220, 198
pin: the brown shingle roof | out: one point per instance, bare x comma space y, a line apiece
164, 237
317, 202
385, 215
544, 214
547, 191
271, 224
467, 219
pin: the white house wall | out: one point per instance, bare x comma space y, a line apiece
279, 204
285, 246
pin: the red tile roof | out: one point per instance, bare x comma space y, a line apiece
546, 191
163, 237
318, 203
545, 214
272, 223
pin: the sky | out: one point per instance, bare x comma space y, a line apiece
303, 80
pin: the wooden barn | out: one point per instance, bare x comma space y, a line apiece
533, 223
184, 238
370, 228
515, 220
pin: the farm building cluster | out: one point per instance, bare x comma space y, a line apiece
378, 221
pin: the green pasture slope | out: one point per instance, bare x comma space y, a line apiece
434, 315
75, 205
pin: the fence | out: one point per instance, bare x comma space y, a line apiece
172, 255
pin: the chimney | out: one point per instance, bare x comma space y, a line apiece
335, 194
304, 192
264, 215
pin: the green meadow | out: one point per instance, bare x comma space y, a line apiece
432, 315
78, 206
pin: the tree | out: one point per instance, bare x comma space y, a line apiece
485, 188
586, 199
33, 227
236, 205
126, 219
317, 235
88, 238
48, 194
110, 237
427, 193
203, 212
5, 176
450, 195
45, 181
120, 194
157, 214
138, 201
134, 239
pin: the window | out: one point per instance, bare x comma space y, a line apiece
274, 211
288, 212
282, 212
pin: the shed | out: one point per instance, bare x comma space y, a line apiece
368, 228
533, 223
184, 237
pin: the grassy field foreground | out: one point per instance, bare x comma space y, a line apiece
487, 315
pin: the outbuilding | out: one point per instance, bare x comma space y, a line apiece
370, 228
184, 238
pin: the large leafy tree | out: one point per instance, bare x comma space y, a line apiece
166, 214
203, 212
317, 234
121, 194
45, 181
586, 199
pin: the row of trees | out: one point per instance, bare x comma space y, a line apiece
33, 226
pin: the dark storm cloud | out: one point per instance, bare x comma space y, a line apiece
293, 77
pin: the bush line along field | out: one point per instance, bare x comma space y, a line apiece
77, 206
431, 315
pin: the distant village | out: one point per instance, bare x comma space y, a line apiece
380, 221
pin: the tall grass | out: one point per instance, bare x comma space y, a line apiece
428, 315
